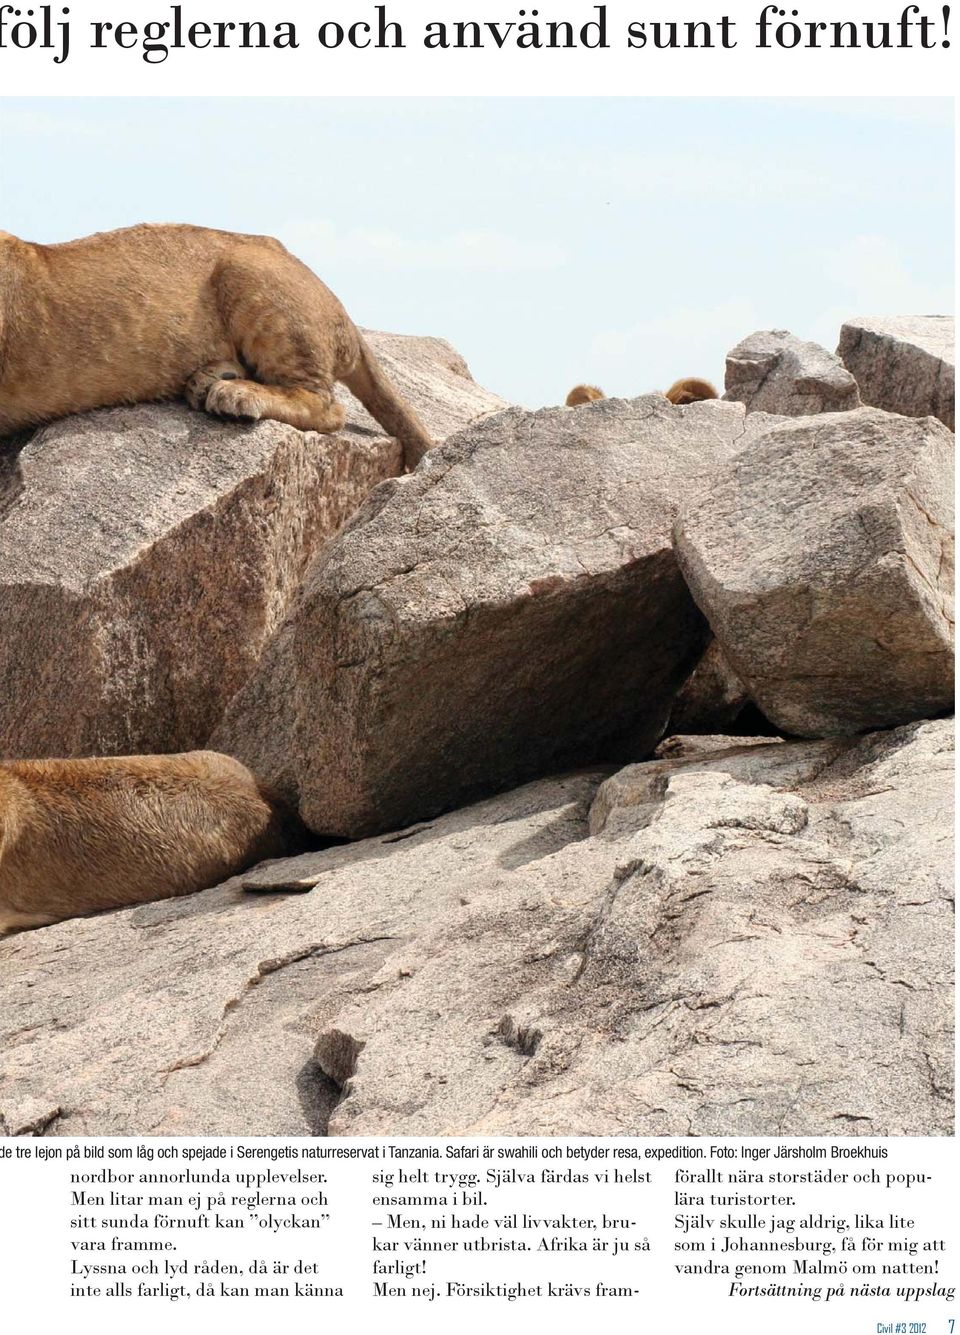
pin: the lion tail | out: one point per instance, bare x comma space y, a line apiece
369, 384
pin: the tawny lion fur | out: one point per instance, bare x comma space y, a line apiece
77, 836
584, 394
690, 390
234, 323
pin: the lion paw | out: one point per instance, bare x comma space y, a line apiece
198, 387
234, 398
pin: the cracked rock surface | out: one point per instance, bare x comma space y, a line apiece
823, 559
512, 608
904, 363
755, 941
773, 371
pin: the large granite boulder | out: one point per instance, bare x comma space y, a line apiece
904, 363
148, 554
823, 559
751, 942
512, 608
145, 559
773, 371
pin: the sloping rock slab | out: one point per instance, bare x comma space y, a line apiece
773, 371
512, 608
823, 559
764, 960
904, 363
146, 556
200, 1015
757, 943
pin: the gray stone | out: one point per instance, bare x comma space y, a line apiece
751, 943
749, 760
512, 608
904, 363
712, 697
823, 559
774, 371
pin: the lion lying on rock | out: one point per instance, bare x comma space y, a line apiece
234, 323
77, 836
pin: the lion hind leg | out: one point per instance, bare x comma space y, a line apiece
288, 330
197, 388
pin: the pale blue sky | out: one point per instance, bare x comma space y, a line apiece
623, 241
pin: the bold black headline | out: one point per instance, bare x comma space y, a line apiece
49, 28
